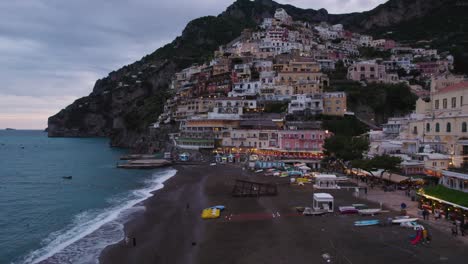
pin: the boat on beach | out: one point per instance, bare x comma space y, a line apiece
348, 210
311, 212
404, 220
366, 223
369, 211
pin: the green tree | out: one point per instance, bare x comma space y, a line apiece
384, 162
345, 148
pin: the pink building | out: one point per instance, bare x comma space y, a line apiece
303, 140
389, 44
433, 67
371, 71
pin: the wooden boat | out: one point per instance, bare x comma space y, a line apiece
348, 210
67, 177
366, 223
369, 211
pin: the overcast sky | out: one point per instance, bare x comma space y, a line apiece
52, 51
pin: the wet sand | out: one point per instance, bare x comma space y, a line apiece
168, 232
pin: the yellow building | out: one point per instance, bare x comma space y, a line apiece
311, 87
442, 122
334, 104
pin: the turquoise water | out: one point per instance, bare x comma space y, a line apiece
43, 215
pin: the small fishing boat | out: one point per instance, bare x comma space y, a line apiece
369, 211
366, 223
348, 210
311, 212
360, 206
220, 207
210, 213
404, 220
67, 177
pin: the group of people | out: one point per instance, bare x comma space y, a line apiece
459, 226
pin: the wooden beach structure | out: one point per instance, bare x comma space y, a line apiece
145, 164
253, 189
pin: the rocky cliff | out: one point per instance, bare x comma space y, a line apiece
123, 104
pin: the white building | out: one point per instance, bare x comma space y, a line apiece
305, 103
246, 89
365, 41
455, 180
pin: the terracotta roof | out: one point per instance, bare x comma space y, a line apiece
454, 87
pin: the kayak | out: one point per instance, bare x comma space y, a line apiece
366, 223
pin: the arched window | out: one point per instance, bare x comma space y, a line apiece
428, 127
415, 130
464, 127
437, 129
449, 127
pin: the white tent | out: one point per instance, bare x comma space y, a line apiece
323, 201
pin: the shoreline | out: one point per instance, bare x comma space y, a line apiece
184, 188
105, 228
263, 229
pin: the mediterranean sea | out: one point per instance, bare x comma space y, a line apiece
46, 216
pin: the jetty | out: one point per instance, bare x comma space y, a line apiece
138, 157
145, 164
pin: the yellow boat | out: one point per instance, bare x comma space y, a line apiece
303, 180
210, 213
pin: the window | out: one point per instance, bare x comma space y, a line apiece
415, 130
454, 102
434, 163
436, 104
444, 103
428, 127
437, 129
449, 127
461, 101
464, 127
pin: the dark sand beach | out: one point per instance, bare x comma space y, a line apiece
169, 232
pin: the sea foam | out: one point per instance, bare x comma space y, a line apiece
93, 230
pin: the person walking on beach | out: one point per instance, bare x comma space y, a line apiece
425, 214
454, 229
436, 214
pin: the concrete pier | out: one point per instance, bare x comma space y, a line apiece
145, 164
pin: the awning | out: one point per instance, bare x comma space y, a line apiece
396, 178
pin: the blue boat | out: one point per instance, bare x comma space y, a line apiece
366, 222
220, 207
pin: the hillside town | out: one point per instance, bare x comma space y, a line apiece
264, 95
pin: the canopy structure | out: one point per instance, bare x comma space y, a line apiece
392, 177
323, 202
